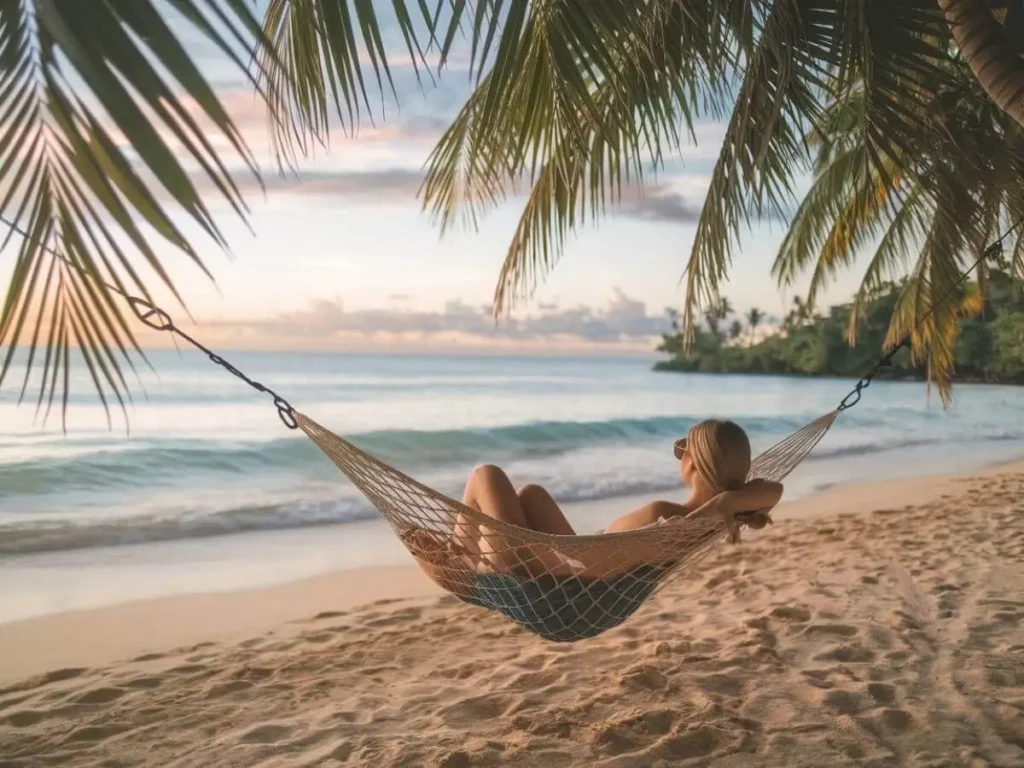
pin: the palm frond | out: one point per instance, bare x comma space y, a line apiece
315, 68
778, 102
601, 92
895, 253
932, 307
75, 76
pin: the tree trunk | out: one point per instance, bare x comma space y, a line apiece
991, 57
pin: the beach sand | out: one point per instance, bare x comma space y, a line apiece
871, 625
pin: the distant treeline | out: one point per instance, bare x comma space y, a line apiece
990, 346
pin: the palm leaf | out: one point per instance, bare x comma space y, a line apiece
602, 92
75, 76
777, 104
313, 68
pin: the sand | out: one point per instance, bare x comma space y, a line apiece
877, 625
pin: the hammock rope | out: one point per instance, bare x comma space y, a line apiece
562, 588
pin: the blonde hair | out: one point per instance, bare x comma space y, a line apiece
720, 451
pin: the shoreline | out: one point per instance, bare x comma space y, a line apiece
662, 367
38, 643
878, 624
61, 581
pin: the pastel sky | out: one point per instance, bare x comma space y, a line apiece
344, 257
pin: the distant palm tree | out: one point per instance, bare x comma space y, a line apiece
754, 318
736, 329
110, 129
715, 315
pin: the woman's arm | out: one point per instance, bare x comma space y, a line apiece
758, 496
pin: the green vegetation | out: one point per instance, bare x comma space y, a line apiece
989, 348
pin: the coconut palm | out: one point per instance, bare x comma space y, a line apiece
930, 218
574, 98
754, 318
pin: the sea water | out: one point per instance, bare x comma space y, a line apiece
206, 456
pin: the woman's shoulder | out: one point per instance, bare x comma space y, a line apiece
647, 515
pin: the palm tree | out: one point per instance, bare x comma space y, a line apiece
992, 46
576, 97
736, 329
964, 186
754, 318
798, 315
714, 316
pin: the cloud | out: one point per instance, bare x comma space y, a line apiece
621, 321
374, 185
659, 205
397, 184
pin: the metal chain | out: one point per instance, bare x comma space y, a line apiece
155, 318
853, 397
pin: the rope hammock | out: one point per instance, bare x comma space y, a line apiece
562, 588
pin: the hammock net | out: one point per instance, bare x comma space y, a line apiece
563, 588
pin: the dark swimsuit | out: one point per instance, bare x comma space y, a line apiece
566, 608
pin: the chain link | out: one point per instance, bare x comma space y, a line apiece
153, 317
853, 397
158, 320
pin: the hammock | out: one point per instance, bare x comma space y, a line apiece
562, 588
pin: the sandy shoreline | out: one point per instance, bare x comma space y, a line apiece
872, 625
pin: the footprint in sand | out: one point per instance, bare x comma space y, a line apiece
319, 637
226, 689
485, 707
93, 733
645, 677
59, 675
851, 654
24, 718
149, 657
144, 683
99, 696
721, 577
266, 734
327, 615
189, 669
615, 740
882, 692
696, 743
794, 613
818, 677
895, 719
843, 702
531, 681
839, 630
721, 684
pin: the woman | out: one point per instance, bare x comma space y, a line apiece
568, 598
714, 460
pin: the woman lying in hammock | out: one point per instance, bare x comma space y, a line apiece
714, 460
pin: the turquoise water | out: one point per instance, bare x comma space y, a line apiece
207, 455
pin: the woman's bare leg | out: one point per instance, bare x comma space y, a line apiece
491, 492
542, 512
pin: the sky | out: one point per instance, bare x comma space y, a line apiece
344, 257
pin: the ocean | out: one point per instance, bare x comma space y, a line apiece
207, 456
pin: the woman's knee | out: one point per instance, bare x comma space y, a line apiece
487, 471
531, 492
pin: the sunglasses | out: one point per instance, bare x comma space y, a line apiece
679, 448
